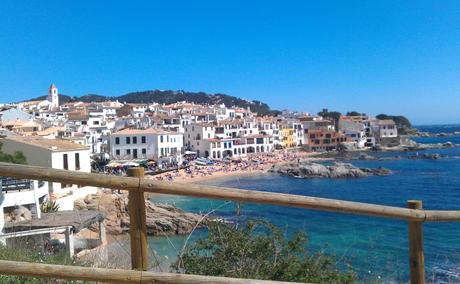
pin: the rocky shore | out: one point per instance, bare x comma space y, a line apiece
316, 170
161, 219
442, 134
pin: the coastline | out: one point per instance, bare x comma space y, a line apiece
253, 165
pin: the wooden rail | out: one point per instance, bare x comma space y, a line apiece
137, 186
68, 272
204, 191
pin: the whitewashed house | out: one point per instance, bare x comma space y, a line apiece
235, 138
149, 143
52, 153
387, 128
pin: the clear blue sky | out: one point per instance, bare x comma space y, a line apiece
400, 57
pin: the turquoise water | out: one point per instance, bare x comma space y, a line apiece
376, 248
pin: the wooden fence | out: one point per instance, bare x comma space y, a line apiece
137, 186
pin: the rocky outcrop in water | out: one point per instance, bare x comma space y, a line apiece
426, 156
161, 219
337, 170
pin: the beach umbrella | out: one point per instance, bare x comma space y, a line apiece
113, 165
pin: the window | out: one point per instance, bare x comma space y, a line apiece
128, 151
162, 152
117, 140
144, 151
143, 140
161, 138
135, 153
117, 152
77, 161
134, 140
128, 140
65, 161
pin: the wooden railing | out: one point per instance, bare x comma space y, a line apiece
137, 186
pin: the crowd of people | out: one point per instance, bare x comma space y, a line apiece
189, 169
251, 164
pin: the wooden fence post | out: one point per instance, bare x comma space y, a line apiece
137, 224
416, 257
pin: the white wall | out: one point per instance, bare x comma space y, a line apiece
172, 142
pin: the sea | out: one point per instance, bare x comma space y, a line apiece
375, 248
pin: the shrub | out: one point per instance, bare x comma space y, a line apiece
259, 250
49, 207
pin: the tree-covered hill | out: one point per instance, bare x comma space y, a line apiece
169, 96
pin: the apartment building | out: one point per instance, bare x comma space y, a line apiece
150, 143
325, 140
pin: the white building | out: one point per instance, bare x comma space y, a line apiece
355, 131
149, 143
51, 153
235, 138
387, 128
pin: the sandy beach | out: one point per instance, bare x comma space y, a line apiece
256, 164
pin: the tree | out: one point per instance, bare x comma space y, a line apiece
16, 158
259, 250
353, 113
401, 121
334, 115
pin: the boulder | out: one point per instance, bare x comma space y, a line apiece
448, 144
364, 156
20, 213
347, 147
161, 219
316, 170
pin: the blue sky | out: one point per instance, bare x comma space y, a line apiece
399, 57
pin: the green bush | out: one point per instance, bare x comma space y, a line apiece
16, 158
259, 250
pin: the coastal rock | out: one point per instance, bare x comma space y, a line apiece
316, 170
448, 144
347, 147
367, 157
161, 219
426, 156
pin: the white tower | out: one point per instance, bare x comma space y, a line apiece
53, 96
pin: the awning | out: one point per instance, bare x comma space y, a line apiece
189, 153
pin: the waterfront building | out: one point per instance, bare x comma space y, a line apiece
387, 128
325, 140
287, 139
226, 138
355, 130
150, 143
